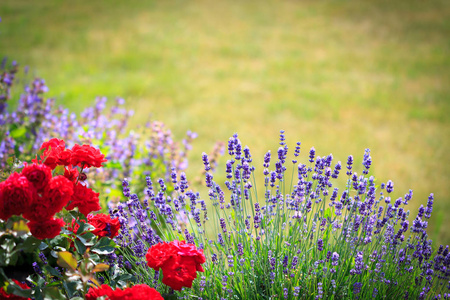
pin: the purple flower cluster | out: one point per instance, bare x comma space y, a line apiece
357, 218
348, 241
150, 150
7, 76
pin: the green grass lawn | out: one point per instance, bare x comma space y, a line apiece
338, 75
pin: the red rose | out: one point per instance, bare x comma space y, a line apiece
39, 210
158, 254
54, 144
179, 262
85, 199
47, 229
52, 151
94, 293
86, 156
74, 226
59, 192
71, 173
64, 157
4, 295
183, 249
104, 225
137, 292
16, 195
56, 195
179, 271
39, 175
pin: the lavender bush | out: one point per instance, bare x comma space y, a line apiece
302, 239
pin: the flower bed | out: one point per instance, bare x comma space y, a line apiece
326, 231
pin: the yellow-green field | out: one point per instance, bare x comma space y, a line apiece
338, 75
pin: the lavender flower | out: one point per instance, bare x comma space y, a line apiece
429, 208
335, 259
367, 161
296, 292
389, 186
349, 165
319, 291
312, 154
368, 233
357, 288
320, 245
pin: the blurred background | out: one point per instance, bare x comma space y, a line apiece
341, 76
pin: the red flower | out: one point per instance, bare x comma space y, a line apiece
59, 192
65, 157
47, 229
16, 195
39, 210
94, 293
184, 249
137, 292
56, 195
74, 226
179, 271
4, 295
158, 254
39, 175
54, 144
179, 262
52, 151
86, 156
104, 225
85, 199
71, 173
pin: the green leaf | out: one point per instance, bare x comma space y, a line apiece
57, 240
52, 271
59, 170
74, 214
103, 250
104, 241
10, 161
87, 238
82, 228
95, 258
54, 293
70, 287
38, 294
81, 248
104, 246
12, 258
18, 132
3, 277
43, 246
169, 296
67, 260
8, 245
29, 245
126, 278
15, 289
